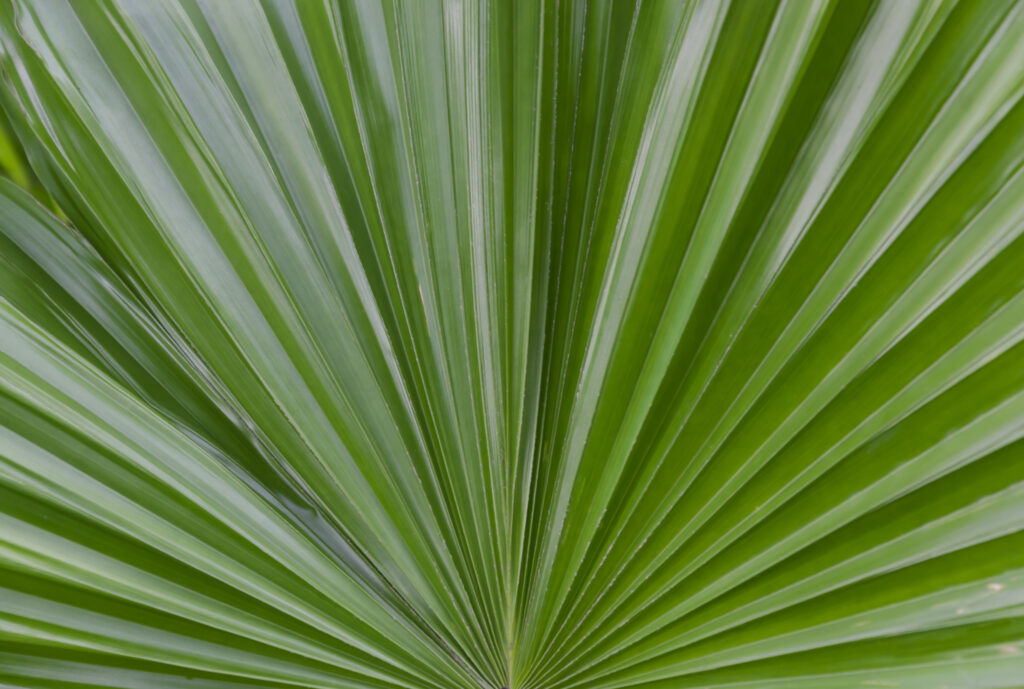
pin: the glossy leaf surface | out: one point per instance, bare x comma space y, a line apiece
534, 344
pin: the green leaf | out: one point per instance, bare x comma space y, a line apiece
528, 344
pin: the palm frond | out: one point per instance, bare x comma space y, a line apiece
528, 344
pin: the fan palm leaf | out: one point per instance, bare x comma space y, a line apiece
530, 344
